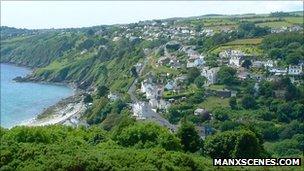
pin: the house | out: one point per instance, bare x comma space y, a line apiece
149, 88
151, 92
295, 70
139, 110
204, 131
170, 85
210, 74
295, 28
162, 104
163, 60
195, 62
153, 103
256, 89
200, 111
236, 61
269, 63
230, 53
242, 74
115, 39
208, 32
257, 64
278, 71
145, 85
112, 96
235, 57
181, 79
138, 67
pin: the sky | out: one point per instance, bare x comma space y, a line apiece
67, 14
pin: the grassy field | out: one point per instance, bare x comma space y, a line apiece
214, 102
249, 49
254, 41
259, 19
277, 24
294, 20
216, 87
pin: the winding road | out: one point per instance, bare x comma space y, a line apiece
149, 114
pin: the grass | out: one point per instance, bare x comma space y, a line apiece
264, 19
277, 24
213, 102
216, 87
249, 49
294, 20
254, 41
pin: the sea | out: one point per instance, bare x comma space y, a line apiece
21, 102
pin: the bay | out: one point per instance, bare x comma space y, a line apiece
21, 102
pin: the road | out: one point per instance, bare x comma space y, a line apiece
149, 114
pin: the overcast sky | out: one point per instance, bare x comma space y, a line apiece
55, 14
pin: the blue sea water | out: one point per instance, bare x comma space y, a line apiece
21, 102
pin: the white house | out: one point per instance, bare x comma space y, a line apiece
235, 57
113, 96
138, 67
210, 74
199, 111
145, 86
257, 64
162, 104
278, 71
295, 70
139, 110
208, 32
269, 63
235, 61
153, 103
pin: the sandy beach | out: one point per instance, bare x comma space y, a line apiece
68, 111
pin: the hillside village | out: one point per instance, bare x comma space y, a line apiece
153, 90
157, 92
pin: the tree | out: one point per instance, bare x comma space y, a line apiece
192, 74
198, 96
190, 139
248, 102
227, 75
90, 32
247, 63
88, 99
233, 103
293, 58
266, 89
240, 144
247, 145
275, 53
173, 115
146, 135
199, 81
221, 114
102, 91
134, 72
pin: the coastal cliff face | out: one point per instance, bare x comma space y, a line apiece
76, 57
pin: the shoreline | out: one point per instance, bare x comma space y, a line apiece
69, 109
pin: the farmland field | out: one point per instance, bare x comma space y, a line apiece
295, 20
254, 41
277, 24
